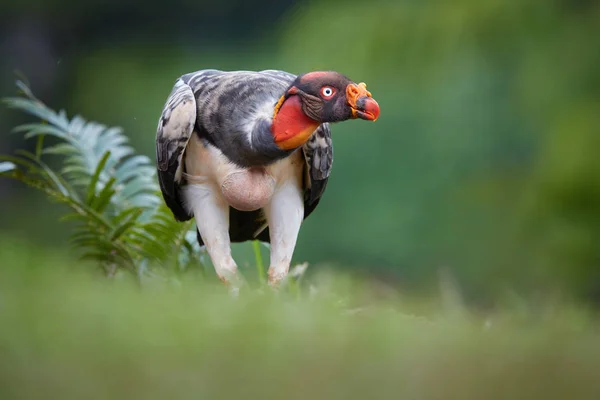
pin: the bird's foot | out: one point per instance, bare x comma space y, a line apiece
281, 277
234, 282
276, 277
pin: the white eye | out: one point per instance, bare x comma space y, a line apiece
327, 91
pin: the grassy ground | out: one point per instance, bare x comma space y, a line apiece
67, 335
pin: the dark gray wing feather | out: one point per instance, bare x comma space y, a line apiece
318, 152
175, 127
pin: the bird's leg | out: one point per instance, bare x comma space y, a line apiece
284, 215
211, 213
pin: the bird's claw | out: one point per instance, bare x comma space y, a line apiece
234, 282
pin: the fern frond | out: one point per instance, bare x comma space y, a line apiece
111, 191
7, 166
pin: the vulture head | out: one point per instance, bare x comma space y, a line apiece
319, 97
332, 97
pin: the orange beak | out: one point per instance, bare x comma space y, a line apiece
362, 103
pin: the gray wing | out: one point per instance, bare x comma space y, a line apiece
175, 127
235, 109
318, 153
286, 77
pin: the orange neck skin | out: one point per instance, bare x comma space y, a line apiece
291, 128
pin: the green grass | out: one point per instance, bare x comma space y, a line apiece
68, 334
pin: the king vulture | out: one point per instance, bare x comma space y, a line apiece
248, 155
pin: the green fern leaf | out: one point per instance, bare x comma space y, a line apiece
126, 224
91, 190
62, 149
111, 192
102, 200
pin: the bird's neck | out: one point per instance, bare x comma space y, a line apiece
291, 127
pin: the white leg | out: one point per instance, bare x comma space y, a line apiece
211, 213
284, 215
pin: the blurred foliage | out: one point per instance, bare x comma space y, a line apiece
491, 109
111, 192
66, 335
483, 161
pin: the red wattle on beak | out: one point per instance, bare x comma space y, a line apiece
362, 103
368, 107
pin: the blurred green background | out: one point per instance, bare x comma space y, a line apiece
483, 163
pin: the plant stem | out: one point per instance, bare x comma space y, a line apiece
260, 268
